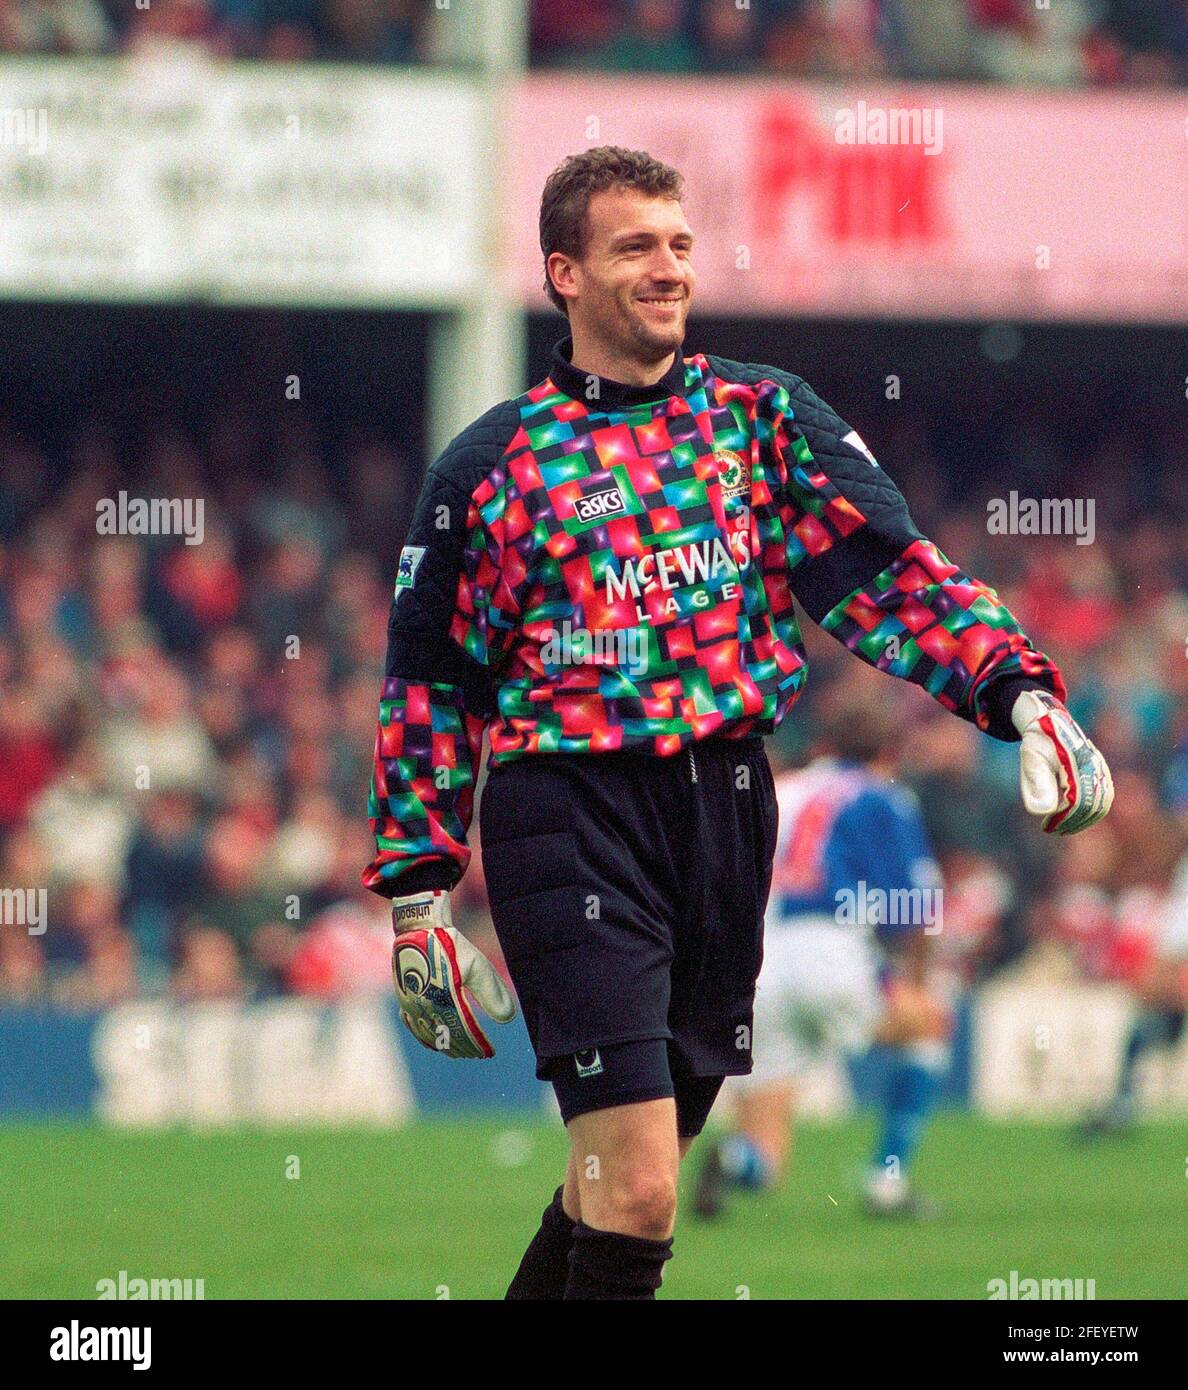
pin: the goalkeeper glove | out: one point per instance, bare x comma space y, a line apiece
434, 970
1062, 775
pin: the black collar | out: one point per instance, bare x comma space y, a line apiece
611, 395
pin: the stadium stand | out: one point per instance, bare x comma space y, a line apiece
1094, 43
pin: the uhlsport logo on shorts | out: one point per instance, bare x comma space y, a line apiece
589, 1063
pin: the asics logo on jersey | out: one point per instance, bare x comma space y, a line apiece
606, 502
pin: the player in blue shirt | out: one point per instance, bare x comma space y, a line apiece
855, 900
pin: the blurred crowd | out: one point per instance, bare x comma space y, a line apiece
186, 731
1069, 43
363, 31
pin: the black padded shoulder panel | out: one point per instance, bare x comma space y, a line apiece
820, 582
419, 646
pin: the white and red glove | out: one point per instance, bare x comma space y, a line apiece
1063, 776
436, 971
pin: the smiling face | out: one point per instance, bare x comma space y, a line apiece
630, 291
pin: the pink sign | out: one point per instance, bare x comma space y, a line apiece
889, 201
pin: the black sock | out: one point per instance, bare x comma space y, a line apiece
544, 1270
1152, 1028
606, 1265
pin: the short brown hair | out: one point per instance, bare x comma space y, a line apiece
571, 185
858, 728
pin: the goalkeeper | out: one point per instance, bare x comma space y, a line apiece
600, 575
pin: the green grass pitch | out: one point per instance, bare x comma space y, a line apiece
444, 1209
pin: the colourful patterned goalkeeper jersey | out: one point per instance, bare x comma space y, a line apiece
596, 566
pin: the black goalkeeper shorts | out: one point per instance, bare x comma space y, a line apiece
628, 892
